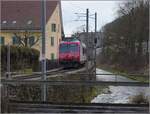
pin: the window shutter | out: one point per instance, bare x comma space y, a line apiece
2, 40
52, 41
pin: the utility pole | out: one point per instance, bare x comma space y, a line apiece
43, 22
95, 41
95, 22
87, 21
90, 48
87, 41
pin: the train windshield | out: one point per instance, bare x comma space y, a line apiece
63, 48
73, 47
68, 47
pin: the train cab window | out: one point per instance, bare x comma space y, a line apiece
63, 48
68, 48
73, 47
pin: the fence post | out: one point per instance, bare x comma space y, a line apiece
5, 99
8, 62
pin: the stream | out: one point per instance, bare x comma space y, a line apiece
117, 94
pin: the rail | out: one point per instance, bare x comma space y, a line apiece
55, 71
72, 82
49, 107
64, 72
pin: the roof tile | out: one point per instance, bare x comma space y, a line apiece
24, 11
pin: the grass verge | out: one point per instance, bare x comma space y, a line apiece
140, 78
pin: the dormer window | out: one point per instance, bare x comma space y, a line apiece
14, 22
4, 22
29, 22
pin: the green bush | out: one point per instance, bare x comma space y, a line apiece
20, 58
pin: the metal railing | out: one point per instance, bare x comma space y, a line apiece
72, 82
34, 106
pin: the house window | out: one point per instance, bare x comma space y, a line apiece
2, 40
52, 56
52, 41
53, 27
31, 40
15, 40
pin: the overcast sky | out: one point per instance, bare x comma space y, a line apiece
106, 12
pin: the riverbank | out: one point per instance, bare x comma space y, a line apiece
137, 77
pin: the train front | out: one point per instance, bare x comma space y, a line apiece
69, 53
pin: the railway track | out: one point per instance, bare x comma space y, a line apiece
52, 73
35, 74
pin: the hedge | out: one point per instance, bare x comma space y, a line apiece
20, 58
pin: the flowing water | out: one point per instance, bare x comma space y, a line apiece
117, 94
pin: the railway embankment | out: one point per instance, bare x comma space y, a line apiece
58, 93
74, 93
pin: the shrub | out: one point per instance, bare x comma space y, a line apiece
20, 58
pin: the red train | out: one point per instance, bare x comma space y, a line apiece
72, 53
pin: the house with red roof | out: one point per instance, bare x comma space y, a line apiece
22, 18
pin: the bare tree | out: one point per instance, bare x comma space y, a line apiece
124, 37
24, 38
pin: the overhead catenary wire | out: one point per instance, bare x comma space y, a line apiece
78, 7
